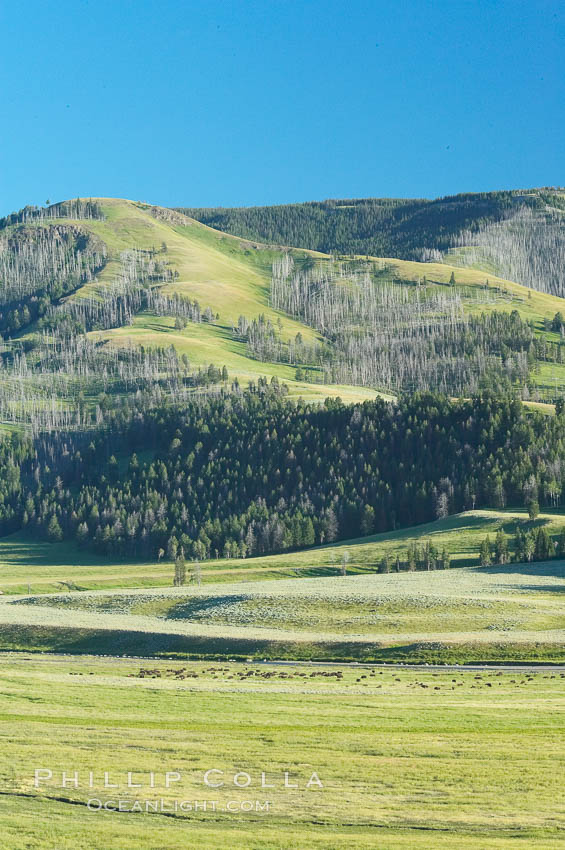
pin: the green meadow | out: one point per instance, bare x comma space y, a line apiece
297, 605
407, 759
38, 566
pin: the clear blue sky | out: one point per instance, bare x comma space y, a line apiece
244, 102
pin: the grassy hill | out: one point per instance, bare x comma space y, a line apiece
41, 567
227, 274
464, 613
471, 614
230, 277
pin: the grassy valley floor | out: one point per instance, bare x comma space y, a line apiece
502, 613
407, 759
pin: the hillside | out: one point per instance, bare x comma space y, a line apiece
117, 274
152, 359
254, 474
517, 234
33, 566
102, 298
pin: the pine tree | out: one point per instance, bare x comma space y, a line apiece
368, 520
485, 553
54, 531
561, 543
543, 545
501, 548
529, 546
180, 569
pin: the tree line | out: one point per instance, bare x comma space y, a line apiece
238, 473
410, 229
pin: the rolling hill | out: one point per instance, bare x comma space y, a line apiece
497, 613
94, 282
516, 234
124, 317
227, 275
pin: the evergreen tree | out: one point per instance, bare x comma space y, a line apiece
180, 569
500, 548
543, 545
561, 543
485, 553
368, 520
54, 531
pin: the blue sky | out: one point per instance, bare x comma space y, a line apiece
244, 102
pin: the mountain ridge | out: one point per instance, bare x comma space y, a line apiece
161, 279
414, 229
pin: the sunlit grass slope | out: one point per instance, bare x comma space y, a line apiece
227, 274
232, 277
408, 760
49, 567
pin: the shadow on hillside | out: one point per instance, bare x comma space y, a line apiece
554, 568
457, 522
187, 610
19, 551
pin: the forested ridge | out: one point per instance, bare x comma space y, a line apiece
518, 234
248, 473
381, 227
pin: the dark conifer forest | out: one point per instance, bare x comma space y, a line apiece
248, 473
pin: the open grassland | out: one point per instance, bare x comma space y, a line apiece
512, 612
531, 304
407, 759
41, 567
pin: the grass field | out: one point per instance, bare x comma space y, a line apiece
407, 759
512, 612
39, 567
